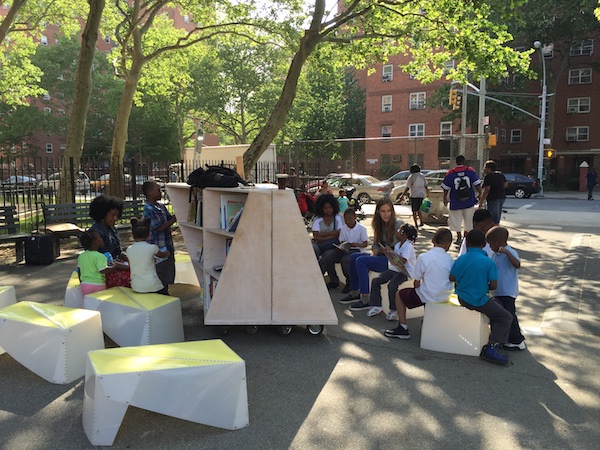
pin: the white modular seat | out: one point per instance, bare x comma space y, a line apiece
130, 318
8, 296
51, 341
200, 381
451, 328
73, 295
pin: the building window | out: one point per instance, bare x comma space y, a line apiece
418, 158
186, 19
416, 130
449, 64
49, 148
396, 159
515, 136
417, 100
580, 76
548, 51
496, 131
445, 128
47, 97
107, 39
62, 111
44, 40
582, 48
578, 105
47, 110
63, 147
386, 158
578, 134
503, 136
6, 5
387, 74
386, 132
386, 103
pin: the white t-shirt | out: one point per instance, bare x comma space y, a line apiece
357, 234
407, 251
463, 248
319, 225
417, 182
433, 270
142, 267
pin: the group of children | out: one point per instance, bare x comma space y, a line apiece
485, 263
150, 258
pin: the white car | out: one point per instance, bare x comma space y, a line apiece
52, 184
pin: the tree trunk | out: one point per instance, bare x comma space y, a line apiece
81, 100
117, 185
10, 17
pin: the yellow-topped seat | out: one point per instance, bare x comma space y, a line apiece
73, 295
7, 297
451, 328
49, 340
201, 381
130, 318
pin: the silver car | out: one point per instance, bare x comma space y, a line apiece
367, 188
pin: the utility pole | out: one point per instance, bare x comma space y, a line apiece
480, 126
463, 121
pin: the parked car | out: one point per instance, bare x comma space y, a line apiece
367, 188
19, 183
315, 184
102, 184
52, 184
434, 180
400, 178
521, 186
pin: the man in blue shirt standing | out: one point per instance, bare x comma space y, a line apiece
475, 274
458, 185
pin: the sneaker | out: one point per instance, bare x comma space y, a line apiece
491, 353
332, 285
399, 333
392, 315
458, 242
346, 289
359, 306
374, 311
349, 299
509, 346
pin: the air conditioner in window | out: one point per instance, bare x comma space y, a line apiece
572, 109
387, 108
386, 77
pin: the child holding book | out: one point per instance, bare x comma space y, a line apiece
399, 269
91, 264
142, 260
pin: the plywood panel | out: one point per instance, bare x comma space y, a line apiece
300, 295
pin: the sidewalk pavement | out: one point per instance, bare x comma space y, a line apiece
353, 388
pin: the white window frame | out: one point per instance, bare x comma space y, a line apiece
579, 105
503, 136
49, 147
387, 73
47, 110
62, 112
386, 103
578, 76
107, 39
448, 65
446, 128
63, 147
46, 97
578, 134
416, 130
584, 47
186, 19
44, 40
496, 131
516, 136
417, 100
386, 133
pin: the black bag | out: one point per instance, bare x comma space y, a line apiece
327, 245
463, 191
215, 176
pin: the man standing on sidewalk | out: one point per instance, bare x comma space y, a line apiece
458, 185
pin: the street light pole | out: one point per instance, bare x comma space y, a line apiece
538, 45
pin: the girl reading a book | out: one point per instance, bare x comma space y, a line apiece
385, 226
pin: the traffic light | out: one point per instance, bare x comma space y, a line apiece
549, 153
457, 103
453, 95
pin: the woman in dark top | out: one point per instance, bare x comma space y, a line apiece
105, 211
494, 185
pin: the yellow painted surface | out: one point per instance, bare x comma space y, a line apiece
162, 356
45, 315
182, 257
4, 288
126, 297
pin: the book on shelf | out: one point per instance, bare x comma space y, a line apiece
230, 206
234, 222
195, 209
394, 258
228, 242
200, 253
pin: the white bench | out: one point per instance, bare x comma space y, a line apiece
450, 328
73, 295
200, 381
51, 341
7, 297
129, 318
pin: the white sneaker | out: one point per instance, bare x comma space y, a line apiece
374, 311
392, 315
509, 346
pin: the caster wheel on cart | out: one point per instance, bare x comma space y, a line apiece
284, 330
315, 330
224, 330
251, 329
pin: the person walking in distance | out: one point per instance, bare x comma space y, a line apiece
592, 180
458, 185
494, 185
417, 183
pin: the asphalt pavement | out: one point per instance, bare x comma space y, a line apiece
353, 388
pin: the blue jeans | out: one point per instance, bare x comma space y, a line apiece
360, 265
500, 319
495, 208
394, 280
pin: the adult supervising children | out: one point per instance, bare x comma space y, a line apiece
458, 185
475, 274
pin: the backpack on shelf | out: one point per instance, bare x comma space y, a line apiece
215, 176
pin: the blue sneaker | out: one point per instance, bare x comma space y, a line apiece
491, 353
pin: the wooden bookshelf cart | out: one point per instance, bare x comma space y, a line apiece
269, 274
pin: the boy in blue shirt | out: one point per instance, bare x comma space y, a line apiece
475, 274
508, 262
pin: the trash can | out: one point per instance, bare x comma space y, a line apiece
40, 249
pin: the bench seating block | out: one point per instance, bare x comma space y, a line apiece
7, 297
450, 328
200, 381
73, 295
130, 319
51, 341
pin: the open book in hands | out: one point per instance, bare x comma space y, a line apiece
394, 258
343, 246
